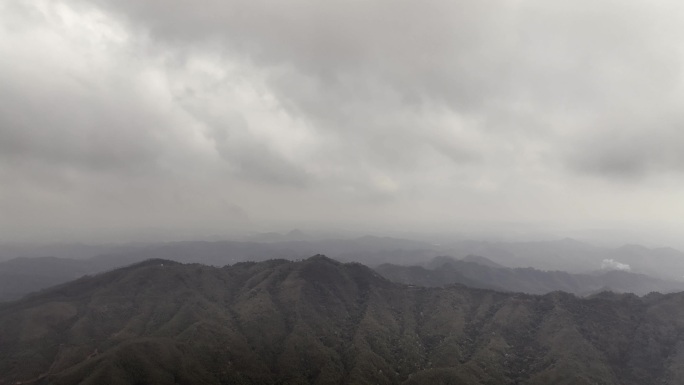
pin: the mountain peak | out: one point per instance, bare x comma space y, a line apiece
322, 258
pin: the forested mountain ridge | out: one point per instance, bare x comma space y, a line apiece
322, 322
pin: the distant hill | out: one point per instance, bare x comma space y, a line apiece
420, 276
479, 272
481, 261
319, 321
573, 256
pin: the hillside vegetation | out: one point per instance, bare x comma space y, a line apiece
322, 322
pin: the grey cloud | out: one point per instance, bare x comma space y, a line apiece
234, 139
76, 134
252, 160
55, 120
623, 165
342, 65
368, 103
644, 146
435, 49
466, 53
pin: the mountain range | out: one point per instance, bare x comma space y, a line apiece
24, 269
319, 321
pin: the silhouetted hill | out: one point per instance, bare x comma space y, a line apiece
319, 321
482, 261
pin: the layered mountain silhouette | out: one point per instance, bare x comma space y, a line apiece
30, 268
480, 272
319, 321
573, 256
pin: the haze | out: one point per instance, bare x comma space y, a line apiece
129, 120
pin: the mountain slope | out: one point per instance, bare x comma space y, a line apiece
322, 322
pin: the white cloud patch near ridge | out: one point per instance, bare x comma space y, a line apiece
611, 264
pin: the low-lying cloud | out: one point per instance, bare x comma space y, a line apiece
611, 264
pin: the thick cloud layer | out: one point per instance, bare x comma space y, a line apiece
208, 116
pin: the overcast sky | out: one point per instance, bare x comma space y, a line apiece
123, 117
